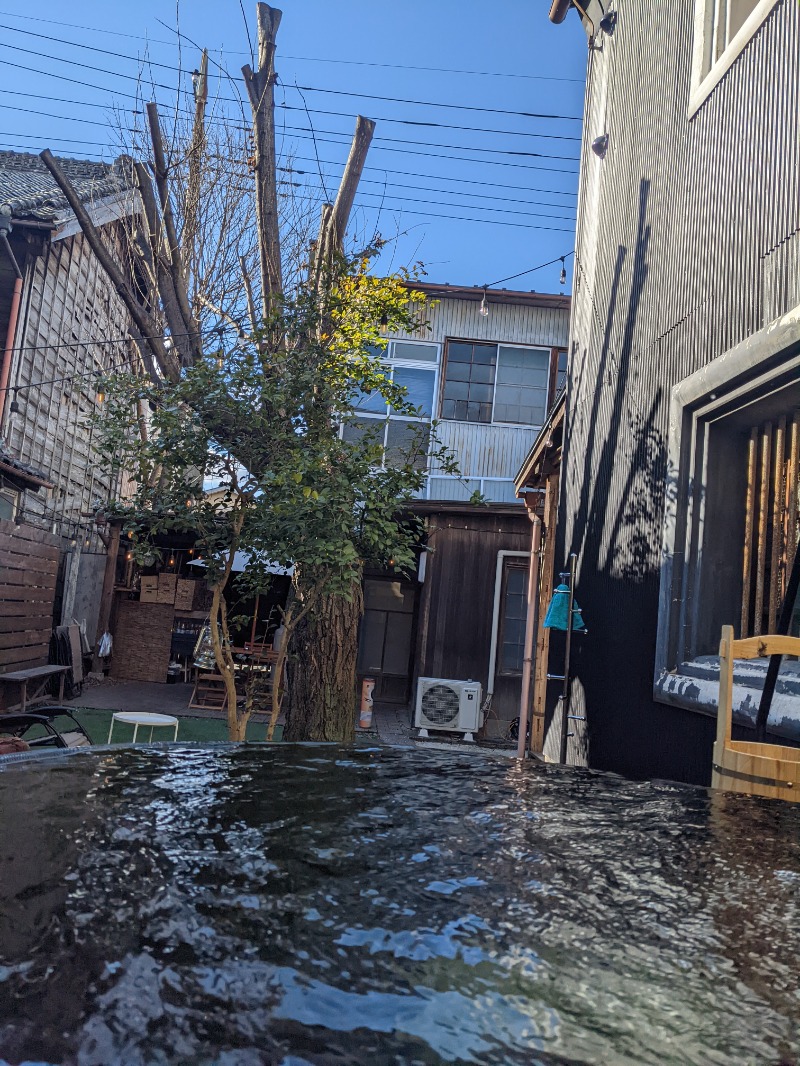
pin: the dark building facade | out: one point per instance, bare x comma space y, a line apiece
679, 481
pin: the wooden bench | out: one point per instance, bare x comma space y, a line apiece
40, 676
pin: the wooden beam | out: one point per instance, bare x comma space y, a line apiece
146, 325
763, 519
778, 502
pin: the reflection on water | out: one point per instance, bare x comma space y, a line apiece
314, 905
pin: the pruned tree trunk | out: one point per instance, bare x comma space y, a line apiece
322, 671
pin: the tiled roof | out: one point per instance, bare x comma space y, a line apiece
27, 189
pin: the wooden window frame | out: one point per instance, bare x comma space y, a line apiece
508, 566
552, 374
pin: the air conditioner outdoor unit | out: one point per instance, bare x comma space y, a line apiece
450, 705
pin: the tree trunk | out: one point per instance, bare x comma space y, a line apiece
322, 671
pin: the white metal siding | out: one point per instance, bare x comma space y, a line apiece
505, 323
484, 450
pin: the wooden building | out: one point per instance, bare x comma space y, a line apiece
679, 483
488, 379
60, 323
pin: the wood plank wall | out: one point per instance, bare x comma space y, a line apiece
67, 300
28, 572
687, 243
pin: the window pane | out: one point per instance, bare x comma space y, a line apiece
512, 648
484, 353
371, 401
519, 404
458, 352
363, 427
397, 649
420, 352
456, 390
482, 374
418, 385
405, 438
469, 385
387, 596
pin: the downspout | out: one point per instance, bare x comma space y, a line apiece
8, 351
531, 626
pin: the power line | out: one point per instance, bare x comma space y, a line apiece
377, 148
309, 59
468, 207
303, 88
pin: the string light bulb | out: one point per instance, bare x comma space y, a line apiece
14, 405
129, 556
563, 276
73, 540
384, 324
171, 561
484, 307
100, 392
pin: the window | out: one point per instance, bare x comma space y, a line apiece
511, 650
731, 520
496, 383
722, 30
770, 522
395, 432
9, 501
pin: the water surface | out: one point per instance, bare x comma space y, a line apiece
250, 906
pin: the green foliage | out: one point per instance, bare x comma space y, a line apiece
262, 419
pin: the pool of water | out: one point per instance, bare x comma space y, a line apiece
292, 905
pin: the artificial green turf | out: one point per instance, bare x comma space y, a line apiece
96, 723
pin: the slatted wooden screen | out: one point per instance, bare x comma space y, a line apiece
28, 572
772, 521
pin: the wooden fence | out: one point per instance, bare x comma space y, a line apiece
28, 573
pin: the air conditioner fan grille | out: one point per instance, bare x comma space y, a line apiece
440, 704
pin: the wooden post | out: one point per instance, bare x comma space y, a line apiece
747, 558
107, 595
261, 90
777, 527
761, 561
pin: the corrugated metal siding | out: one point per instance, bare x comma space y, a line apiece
509, 323
686, 245
485, 450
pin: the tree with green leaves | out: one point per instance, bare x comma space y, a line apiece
263, 414
264, 421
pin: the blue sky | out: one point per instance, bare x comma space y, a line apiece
468, 167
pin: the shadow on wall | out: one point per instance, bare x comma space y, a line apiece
615, 462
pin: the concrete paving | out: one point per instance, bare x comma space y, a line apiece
142, 696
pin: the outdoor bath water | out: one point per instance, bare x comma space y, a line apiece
310, 904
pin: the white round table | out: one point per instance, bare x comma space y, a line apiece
145, 718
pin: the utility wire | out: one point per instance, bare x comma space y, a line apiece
306, 59
303, 88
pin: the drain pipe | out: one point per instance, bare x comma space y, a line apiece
8, 351
531, 626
